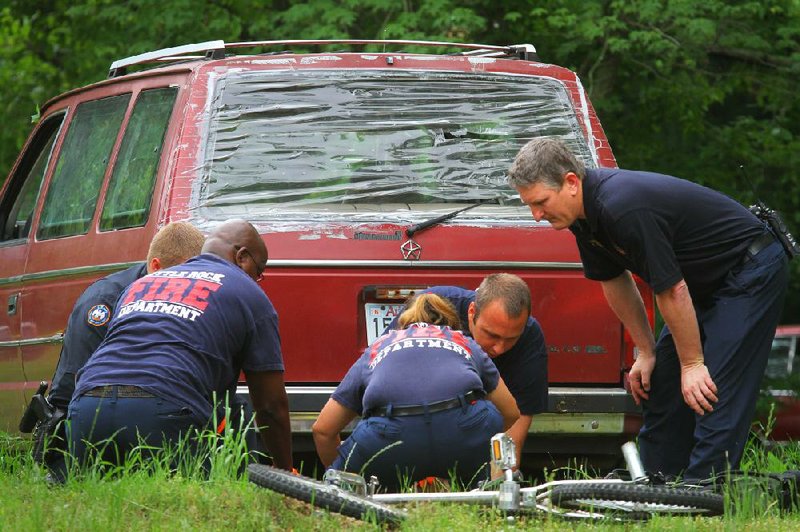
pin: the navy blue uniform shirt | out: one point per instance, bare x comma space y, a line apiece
86, 328
389, 370
185, 332
661, 228
523, 367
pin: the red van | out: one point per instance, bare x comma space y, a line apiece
781, 383
334, 156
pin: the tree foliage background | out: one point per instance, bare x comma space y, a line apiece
692, 88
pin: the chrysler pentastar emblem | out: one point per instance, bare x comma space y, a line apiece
411, 250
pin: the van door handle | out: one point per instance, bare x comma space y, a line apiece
12, 304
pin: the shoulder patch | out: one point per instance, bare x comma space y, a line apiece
98, 315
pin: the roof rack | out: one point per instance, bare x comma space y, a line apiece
216, 50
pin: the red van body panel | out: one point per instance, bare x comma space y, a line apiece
784, 367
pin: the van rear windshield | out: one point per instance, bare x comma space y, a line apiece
315, 145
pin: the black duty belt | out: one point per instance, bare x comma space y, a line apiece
430, 408
120, 389
757, 244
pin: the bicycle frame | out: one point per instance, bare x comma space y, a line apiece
513, 498
350, 494
531, 498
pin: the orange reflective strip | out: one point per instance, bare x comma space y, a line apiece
497, 451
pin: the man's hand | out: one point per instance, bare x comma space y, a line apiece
625, 300
271, 405
639, 376
698, 389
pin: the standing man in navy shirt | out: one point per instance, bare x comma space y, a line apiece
719, 276
177, 342
498, 317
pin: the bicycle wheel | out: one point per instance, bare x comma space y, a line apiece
637, 499
321, 495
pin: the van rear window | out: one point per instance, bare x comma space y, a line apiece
373, 145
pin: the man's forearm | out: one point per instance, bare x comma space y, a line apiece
625, 300
519, 433
678, 312
275, 431
697, 386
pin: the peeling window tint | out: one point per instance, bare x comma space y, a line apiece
373, 145
130, 191
72, 196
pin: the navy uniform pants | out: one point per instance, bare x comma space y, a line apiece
737, 328
113, 426
400, 450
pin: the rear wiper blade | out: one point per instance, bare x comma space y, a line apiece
443, 218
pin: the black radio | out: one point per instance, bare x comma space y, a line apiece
775, 222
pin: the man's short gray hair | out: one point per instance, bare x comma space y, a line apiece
512, 291
544, 160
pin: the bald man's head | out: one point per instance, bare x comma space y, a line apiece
238, 242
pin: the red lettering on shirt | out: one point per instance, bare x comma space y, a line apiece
135, 290
376, 346
198, 295
173, 290
459, 338
431, 331
154, 286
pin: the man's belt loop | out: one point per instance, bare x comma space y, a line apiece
463, 401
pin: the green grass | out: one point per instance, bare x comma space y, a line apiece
154, 494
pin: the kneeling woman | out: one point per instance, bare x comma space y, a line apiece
430, 400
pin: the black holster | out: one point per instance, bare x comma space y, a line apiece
46, 423
50, 438
39, 409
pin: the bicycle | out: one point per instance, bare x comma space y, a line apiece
350, 494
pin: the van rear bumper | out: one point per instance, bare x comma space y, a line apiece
586, 424
572, 411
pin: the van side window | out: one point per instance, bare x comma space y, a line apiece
19, 202
72, 195
128, 198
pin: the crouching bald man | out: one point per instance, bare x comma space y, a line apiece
179, 337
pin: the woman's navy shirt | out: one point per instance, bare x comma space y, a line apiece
422, 364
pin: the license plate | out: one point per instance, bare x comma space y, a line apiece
379, 316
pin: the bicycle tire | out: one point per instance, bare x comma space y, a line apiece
638, 499
321, 495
